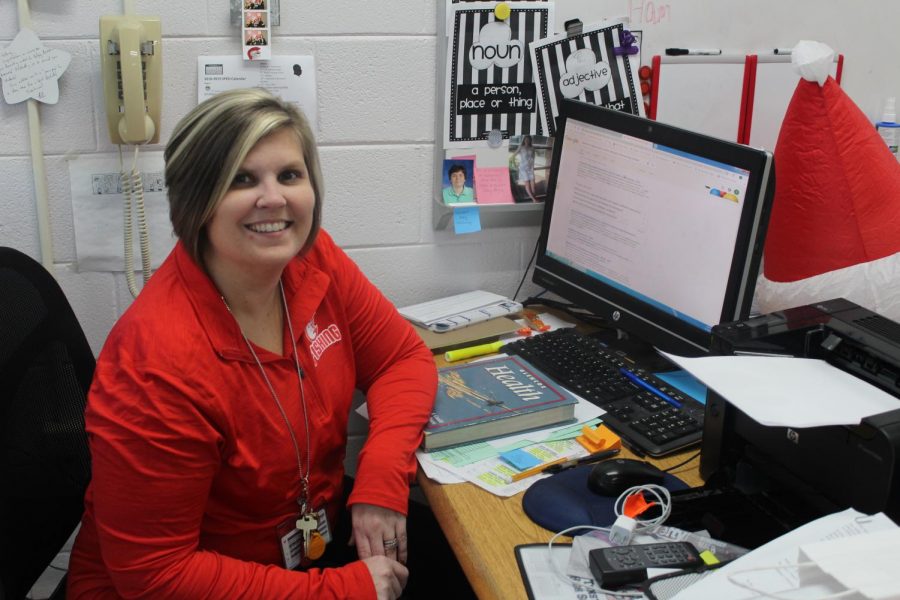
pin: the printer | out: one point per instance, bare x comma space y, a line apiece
762, 481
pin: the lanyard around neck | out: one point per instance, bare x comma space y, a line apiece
303, 498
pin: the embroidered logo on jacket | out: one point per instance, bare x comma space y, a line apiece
319, 341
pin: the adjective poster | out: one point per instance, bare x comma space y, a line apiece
489, 81
593, 66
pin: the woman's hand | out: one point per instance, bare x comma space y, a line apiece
378, 531
388, 575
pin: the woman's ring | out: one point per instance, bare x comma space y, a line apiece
390, 544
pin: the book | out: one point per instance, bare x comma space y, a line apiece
479, 333
492, 398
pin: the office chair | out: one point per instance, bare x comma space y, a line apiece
46, 367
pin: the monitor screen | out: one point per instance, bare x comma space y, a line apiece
656, 228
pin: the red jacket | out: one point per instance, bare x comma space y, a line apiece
193, 466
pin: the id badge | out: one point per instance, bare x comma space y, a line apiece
291, 541
293, 551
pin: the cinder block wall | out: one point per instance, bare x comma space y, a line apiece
376, 73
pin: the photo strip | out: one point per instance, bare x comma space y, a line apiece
255, 31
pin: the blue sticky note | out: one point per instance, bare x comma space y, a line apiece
520, 459
685, 383
466, 219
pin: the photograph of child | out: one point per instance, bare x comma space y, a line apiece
459, 181
529, 166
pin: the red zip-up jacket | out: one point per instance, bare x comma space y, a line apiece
193, 465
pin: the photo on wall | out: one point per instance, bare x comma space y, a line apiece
458, 181
529, 167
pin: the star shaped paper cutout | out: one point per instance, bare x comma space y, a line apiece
31, 70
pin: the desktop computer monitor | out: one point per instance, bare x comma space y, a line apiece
655, 228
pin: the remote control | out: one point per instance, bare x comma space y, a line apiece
621, 565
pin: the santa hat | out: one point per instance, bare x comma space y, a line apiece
835, 224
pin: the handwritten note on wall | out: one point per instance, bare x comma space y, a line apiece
31, 70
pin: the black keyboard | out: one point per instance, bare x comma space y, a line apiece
645, 411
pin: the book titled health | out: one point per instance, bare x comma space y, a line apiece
493, 398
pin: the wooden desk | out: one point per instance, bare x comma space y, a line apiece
484, 529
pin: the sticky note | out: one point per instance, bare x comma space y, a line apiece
520, 459
466, 219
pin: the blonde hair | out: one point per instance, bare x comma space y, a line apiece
208, 147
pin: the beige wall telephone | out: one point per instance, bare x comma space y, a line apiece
131, 62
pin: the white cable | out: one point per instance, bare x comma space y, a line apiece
133, 189
127, 227
777, 595
663, 498
39, 171
137, 186
565, 578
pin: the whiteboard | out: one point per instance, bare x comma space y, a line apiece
702, 95
775, 85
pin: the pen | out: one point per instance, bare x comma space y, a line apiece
783, 50
649, 387
590, 458
538, 469
693, 51
471, 351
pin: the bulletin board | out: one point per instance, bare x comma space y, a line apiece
860, 31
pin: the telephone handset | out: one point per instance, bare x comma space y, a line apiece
131, 63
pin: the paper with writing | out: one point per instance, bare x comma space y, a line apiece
31, 70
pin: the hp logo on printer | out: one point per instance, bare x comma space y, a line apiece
616, 315
793, 436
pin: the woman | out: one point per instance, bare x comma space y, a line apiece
525, 160
218, 413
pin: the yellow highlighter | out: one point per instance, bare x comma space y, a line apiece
472, 351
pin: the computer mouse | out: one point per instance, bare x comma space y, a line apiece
612, 477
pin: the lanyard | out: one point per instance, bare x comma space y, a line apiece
303, 498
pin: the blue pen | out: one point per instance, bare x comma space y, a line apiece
649, 387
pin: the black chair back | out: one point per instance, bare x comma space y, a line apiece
46, 367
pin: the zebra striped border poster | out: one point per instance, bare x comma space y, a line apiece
585, 67
489, 80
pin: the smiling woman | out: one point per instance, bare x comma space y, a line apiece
218, 413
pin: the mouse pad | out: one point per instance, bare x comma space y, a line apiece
564, 500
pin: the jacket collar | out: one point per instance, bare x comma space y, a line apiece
304, 287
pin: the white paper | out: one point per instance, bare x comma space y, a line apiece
292, 78
546, 583
98, 210
789, 392
783, 552
31, 70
